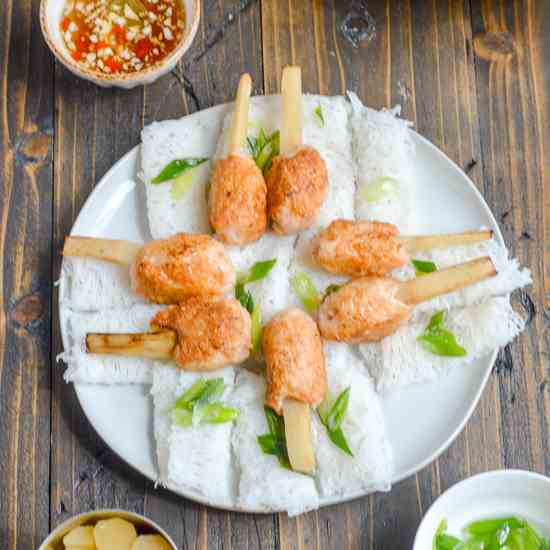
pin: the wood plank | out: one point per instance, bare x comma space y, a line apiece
95, 127
26, 81
512, 97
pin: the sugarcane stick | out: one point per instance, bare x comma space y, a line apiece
153, 345
299, 438
239, 123
427, 242
446, 280
291, 126
110, 250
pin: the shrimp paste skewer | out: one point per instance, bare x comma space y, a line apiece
202, 333
165, 271
297, 181
360, 248
296, 380
238, 193
370, 308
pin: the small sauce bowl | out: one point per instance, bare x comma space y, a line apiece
142, 524
51, 13
501, 493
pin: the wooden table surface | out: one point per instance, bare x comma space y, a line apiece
473, 76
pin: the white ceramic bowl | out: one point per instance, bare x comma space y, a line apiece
493, 494
51, 12
147, 525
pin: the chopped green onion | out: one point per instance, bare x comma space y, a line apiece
448, 542
531, 537
324, 407
440, 341
264, 149
508, 533
244, 297
181, 185
256, 336
381, 188
274, 442
269, 444
306, 291
182, 418
338, 411
331, 413
331, 289
186, 400
177, 167
275, 423
422, 267
213, 391
441, 540
215, 413
319, 114
200, 404
490, 525
257, 272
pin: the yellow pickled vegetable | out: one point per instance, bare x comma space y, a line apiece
151, 542
81, 537
114, 534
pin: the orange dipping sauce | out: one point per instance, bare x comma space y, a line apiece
122, 36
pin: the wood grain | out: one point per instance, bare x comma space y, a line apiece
26, 105
473, 76
509, 41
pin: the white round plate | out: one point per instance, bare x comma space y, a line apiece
495, 494
422, 421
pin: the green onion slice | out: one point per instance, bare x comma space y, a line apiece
258, 271
331, 289
256, 336
319, 114
439, 340
274, 442
306, 291
214, 413
264, 148
509, 533
177, 167
200, 404
381, 188
490, 525
331, 413
181, 185
422, 267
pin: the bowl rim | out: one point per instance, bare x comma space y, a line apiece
476, 478
136, 77
115, 512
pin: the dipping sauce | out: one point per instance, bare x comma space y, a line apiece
122, 36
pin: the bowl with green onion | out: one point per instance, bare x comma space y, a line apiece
503, 509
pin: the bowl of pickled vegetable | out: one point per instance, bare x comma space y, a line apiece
500, 510
121, 43
108, 530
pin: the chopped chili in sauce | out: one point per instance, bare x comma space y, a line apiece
122, 36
